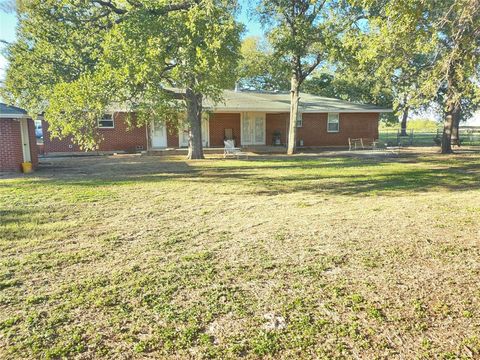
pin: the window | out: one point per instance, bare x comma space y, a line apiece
106, 122
299, 120
333, 124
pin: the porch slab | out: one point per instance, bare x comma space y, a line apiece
182, 151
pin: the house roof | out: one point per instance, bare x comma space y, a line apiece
238, 101
11, 112
235, 101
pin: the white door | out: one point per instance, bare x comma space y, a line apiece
183, 134
253, 128
158, 135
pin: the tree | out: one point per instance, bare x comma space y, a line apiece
73, 59
446, 33
456, 24
259, 68
348, 82
377, 66
464, 110
302, 33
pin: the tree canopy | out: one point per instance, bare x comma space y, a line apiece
73, 59
259, 68
304, 34
430, 50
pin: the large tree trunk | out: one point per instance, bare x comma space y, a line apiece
403, 125
292, 127
456, 123
194, 116
447, 130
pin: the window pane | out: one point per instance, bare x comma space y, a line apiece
299, 122
106, 122
259, 130
332, 117
333, 122
333, 127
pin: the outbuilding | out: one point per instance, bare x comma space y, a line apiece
17, 139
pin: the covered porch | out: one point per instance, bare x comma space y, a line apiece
256, 131
253, 131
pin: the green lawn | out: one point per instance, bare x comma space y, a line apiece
275, 257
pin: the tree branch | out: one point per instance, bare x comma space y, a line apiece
312, 67
111, 6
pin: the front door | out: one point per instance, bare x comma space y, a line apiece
158, 135
253, 128
183, 134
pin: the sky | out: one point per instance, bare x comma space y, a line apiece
8, 23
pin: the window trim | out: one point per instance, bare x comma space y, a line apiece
106, 127
337, 122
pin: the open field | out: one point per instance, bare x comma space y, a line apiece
336, 256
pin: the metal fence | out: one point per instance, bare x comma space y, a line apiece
469, 136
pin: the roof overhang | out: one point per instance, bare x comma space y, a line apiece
14, 116
277, 111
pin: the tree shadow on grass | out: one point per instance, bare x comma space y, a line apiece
276, 175
387, 184
14, 216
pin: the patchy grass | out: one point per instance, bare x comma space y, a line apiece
274, 257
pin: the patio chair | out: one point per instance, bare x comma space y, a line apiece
231, 150
362, 143
353, 144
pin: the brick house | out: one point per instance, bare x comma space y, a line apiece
252, 119
117, 136
17, 139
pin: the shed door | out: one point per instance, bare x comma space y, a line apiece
25, 140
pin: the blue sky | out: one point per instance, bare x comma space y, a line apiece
8, 22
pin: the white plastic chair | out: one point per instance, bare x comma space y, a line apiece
231, 150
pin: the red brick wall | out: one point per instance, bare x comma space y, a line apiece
313, 133
221, 121
11, 154
276, 122
41, 149
54, 144
120, 138
353, 125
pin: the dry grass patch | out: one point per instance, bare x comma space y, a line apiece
274, 257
